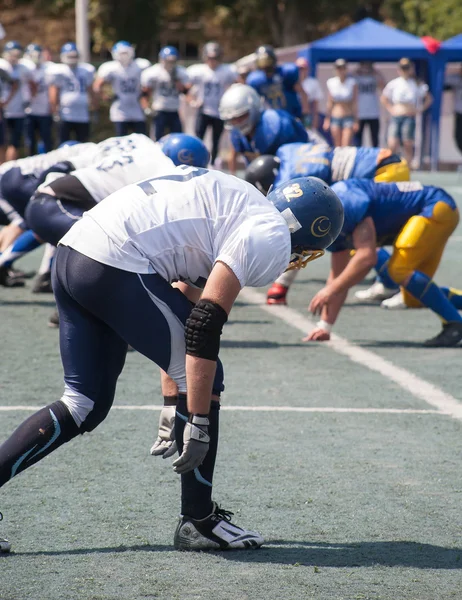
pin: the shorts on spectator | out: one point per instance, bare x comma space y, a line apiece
402, 128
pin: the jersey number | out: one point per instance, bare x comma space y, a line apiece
189, 173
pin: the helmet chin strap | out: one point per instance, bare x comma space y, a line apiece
300, 260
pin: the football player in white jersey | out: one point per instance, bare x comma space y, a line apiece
210, 80
123, 75
71, 94
164, 82
14, 99
39, 119
113, 272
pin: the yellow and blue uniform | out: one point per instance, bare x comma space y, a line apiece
417, 220
336, 164
278, 88
274, 128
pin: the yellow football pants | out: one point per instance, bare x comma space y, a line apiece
420, 246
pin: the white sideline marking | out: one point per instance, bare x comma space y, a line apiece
421, 389
294, 409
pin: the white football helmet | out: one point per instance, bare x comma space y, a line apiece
240, 108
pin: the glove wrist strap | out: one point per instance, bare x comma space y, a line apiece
199, 419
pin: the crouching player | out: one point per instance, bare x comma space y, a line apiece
420, 219
112, 279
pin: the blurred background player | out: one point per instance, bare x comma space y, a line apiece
163, 83
123, 76
16, 96
71, 95
370, 84
39, 121
420, 220
404, 97
454, 83
342, 105
279, 85
254, 131
209, 82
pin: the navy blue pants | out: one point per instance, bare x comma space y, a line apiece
50, 218
217, 125
15, 128
126, 127
101, 310
43, 125
81, 131
166, 122
17, 188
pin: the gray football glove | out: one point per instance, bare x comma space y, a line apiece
165, 444
195, 445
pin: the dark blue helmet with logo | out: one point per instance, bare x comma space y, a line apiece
185, 149
313, 213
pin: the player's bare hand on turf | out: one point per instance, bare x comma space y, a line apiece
196, 441
321, 299
317, 335
165, 444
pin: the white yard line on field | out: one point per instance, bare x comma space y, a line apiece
419, 388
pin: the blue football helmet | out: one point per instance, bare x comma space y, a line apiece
68, 143
34, 52
69, 55
12, 52
265, 57
185, 149
123, 52
313, 213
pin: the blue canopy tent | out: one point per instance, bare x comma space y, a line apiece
370, 40
450, 51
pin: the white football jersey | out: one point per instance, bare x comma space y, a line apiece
165, 96
114, 145
35, 165
180, 224
211, 85
119, 170
41, 75
73, 84
126, 85
16, 107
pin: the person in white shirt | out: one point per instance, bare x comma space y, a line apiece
342, 106
210, 234
370, 84
209, 82
123, 75
454, 82
313, 91
39, 119
403, 98
71, 95
164, 82
15, 97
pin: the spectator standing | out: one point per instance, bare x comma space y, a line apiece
370, 84
71, 94
123, 76
313, 92
404, 97
15, 97
163, 83
342, 105
39, 119
210, 80
454, 83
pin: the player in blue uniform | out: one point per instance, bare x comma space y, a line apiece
418, 220
278, 84
254, 131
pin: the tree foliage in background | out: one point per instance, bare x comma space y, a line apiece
441, 19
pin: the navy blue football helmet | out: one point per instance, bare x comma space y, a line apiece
12, 51
265, 57
185, 149
313, 213
69, 54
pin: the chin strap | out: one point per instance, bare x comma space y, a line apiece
300, 260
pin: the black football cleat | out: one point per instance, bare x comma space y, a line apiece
10, 282
42, 284
53, 321
449, 336
5, 545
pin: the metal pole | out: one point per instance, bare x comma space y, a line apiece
82, 30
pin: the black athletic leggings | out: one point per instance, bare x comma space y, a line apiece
217, 125
374, 129
458, 131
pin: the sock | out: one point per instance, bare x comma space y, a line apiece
196, 486
425, 290
24, 244
35, 438
453, 295
287, 278
381, 266
47, 259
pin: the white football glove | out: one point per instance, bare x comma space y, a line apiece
195, 445
165, 444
